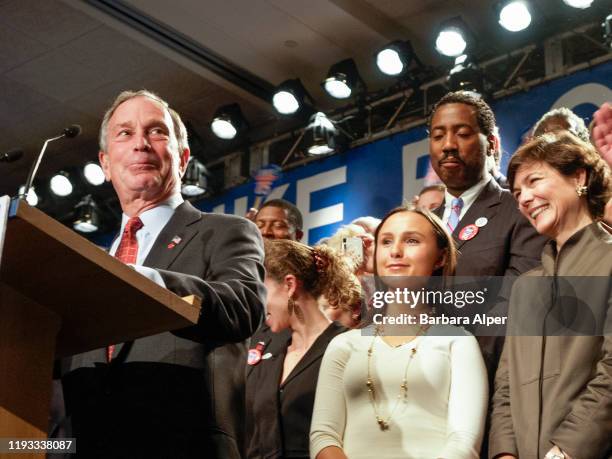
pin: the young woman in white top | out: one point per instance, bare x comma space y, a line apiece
409, 391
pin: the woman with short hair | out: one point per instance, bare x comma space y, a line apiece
553, 392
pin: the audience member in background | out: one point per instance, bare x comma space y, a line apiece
553, 394
430, 197
278, 219
494, 161
561, 119
284, 359
403, 390
369, 223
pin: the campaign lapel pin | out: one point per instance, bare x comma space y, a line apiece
254, 355
176, 240
469, 232
481, 221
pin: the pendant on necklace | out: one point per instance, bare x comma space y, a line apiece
384, 425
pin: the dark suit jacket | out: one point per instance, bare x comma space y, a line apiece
278, 416
506, 246
178, 394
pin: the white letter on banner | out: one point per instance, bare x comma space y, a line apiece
327, 215
590, 93
410, 156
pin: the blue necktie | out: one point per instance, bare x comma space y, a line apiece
453, 219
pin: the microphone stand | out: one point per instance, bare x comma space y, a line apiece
34, 168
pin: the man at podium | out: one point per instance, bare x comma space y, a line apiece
175, 394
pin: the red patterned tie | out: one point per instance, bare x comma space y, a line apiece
127, 253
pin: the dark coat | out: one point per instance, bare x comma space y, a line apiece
178, 394
278, 416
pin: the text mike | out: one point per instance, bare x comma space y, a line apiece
69, 133
10, 156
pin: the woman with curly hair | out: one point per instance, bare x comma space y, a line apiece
285, 355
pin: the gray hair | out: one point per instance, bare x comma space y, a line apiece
575, 124
179, 128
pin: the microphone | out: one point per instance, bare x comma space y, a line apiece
10, 156
70, 132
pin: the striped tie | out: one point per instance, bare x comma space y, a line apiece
453, 218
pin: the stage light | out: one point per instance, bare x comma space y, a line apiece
514, 15
228, 121
61, 185
581, 4
290, 96
395, 58
31, 198
195, 180
343, 80
321, 135
93, 174
465, 76
452, 38
87, 216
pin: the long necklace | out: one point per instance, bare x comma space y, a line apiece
403, 392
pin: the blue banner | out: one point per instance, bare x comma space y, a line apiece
372, 179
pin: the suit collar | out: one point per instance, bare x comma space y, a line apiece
484, 206
315, 352
174, 236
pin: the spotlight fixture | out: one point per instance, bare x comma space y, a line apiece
581, 4
465, 76
514, 15
343, 80
395, 58
93, 174
31, 198
452, 37
195, 180
290, 96
321, 135
61, 184
87, 216
228, 121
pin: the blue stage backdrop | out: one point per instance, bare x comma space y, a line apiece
372, 179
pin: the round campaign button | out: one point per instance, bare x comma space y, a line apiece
468, 232
254, 356
482, 221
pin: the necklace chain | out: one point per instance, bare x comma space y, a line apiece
383, 424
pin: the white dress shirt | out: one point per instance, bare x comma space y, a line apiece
468, 196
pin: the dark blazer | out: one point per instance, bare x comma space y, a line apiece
278, 416
178, 394
506, 246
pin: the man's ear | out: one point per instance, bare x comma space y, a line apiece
105, 165
493, 144
183, 161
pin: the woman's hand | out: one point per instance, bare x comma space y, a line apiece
331, 452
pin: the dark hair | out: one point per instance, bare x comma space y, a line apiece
567, 154
294, 216
444, 239
320, 269
484, 114
438, 187
575, 124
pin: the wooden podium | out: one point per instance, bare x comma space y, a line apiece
61, 295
